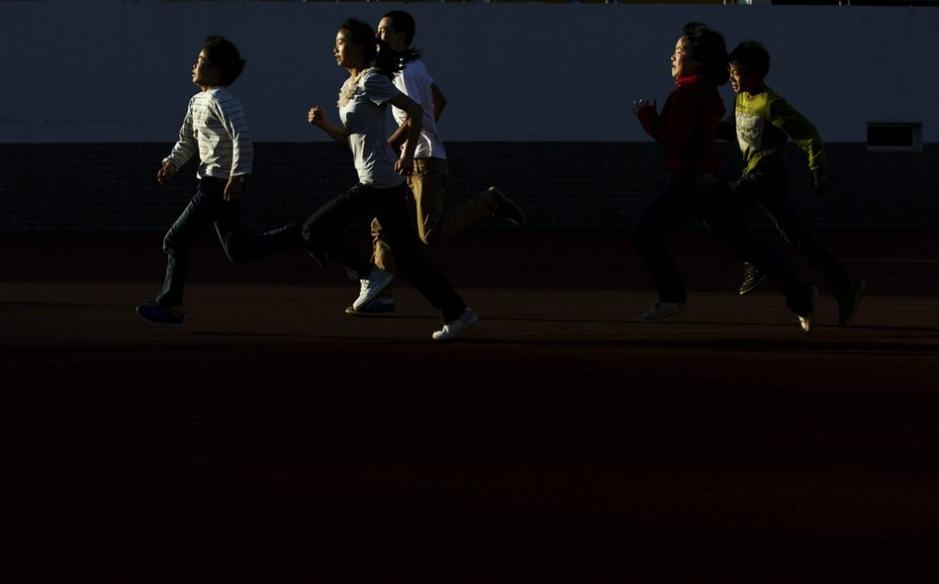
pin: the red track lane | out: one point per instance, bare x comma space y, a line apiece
274, 439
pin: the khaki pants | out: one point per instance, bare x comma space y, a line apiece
435, 225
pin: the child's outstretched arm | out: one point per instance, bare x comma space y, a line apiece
800, 130
338, 133
183, 150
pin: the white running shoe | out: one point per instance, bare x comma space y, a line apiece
455, 327
661, 310
372, 286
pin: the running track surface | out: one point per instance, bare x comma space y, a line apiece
274, 439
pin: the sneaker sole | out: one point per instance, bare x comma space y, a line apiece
462, 332
158, 323
665, 316
380, 313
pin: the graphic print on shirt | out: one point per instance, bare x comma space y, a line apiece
749, 131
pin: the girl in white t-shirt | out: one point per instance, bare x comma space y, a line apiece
381, 191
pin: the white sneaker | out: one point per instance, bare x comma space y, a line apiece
808, 319
661, 310
455, 327
372, 286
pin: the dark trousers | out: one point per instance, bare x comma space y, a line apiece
325, 229
708, 197
767, 186
206, 208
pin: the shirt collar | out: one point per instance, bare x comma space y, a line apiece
683, 80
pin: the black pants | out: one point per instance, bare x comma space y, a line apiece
708, 197
325, 230
768, 187
208, 207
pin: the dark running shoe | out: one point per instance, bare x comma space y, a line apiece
752, 278
158, 314
849, 301
381, 306
807, 320
662, 310
507, 208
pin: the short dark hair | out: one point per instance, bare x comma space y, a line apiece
387, 61
403, 22
707, 47
223, 54
750, 57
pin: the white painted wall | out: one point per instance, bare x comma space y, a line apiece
118, 71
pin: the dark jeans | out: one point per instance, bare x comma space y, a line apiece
708, 197
208, 207
325, 231
768, 187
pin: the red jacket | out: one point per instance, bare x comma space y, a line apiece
687, 126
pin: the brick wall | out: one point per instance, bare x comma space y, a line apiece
563, 186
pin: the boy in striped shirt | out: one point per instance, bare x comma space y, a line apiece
215, 127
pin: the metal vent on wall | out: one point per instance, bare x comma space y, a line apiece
901, 137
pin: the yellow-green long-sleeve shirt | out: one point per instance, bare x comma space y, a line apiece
764, 121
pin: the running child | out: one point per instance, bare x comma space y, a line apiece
687, 128
364, 101
214, 127
762, 122
428, 181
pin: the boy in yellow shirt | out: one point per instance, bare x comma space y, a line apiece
762, 124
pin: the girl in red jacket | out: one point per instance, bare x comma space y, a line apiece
687, 128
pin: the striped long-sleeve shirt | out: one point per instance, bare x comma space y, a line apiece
215, 123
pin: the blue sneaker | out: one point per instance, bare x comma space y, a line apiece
159, 314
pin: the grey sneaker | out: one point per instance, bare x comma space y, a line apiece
849, 301
807, 320
507, 208
457, 326
371, 287
752, 278
661, 310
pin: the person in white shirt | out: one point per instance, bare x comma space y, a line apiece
435, 224
214, 127
381, 190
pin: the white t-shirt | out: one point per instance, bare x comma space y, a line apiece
364, 117
414, 81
